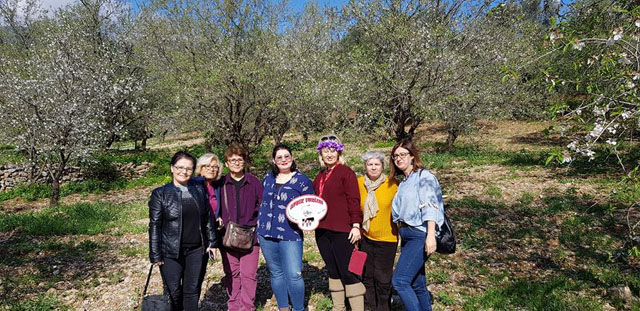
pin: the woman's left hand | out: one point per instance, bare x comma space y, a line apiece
212, 253
430, 244
354, 235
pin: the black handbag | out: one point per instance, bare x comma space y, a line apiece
155, 302
446, 238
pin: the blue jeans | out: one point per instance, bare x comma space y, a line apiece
409, 277
284, 259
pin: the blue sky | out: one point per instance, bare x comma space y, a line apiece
294, 4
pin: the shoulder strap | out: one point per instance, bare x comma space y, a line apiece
146, 285
237, 192
224, 197
418, 190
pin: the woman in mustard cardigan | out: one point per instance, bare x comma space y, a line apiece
380, 232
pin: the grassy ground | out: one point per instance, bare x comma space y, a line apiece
531, 237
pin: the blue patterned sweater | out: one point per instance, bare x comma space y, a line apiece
272, 219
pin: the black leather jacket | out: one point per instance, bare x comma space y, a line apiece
165, 220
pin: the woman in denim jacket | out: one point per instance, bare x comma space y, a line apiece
417, 209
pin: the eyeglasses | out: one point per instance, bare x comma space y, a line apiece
400, 155
211, 167
331, 137
236, 161
183, 169
283, 158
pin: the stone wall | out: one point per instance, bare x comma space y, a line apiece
12, 175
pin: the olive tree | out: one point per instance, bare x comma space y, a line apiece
225, 62
57, 84
411, 60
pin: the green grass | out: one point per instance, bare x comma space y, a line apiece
9, 154
494, 192
526, 199
322, 302
134, 251
557, 294
81, 218
437, 277
23, 248
384, 144
39, 303
445, 299
33, 192
467, 155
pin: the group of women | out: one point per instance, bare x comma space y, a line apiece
368, 213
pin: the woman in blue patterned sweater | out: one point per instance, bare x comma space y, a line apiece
281, 240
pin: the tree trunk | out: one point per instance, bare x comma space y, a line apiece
451, 138
55, 196
56, 177
208, 143
109, 141
400, 133
32, 164
143, 144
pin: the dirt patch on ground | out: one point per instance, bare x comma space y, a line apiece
504, 135
504, 184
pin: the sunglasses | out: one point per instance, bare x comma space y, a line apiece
325, 138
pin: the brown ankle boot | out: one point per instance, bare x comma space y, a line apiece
355, 293
285, 308
337, 294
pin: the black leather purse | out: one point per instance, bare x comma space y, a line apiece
155, 302
446, 237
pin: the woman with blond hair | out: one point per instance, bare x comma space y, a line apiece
339, 230
209, 172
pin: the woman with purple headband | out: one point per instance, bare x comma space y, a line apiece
340, 229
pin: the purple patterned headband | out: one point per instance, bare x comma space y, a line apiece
330, 144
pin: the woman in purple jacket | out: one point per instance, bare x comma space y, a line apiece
241, 195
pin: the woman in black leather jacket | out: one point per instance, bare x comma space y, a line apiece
180, 230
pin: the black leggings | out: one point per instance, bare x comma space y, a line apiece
336, 250
184, 277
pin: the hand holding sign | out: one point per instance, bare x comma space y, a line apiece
307, 211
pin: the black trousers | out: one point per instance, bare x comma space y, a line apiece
378, 270
336, 250
184, 277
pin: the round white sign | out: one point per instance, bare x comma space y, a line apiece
307, 211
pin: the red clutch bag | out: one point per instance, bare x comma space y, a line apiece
356, 263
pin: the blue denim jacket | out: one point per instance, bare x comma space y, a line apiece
272, 220
418, 200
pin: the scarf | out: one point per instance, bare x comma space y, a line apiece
371, 203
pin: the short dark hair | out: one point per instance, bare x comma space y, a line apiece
183, 155
236, 149
274, 167
413, 150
